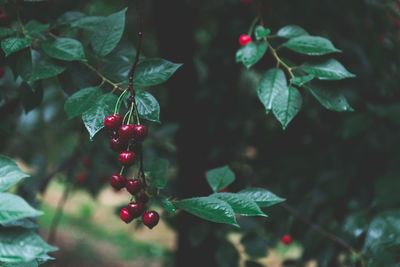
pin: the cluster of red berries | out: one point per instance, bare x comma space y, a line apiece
127, 139
82, 177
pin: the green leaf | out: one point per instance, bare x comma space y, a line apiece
64, 49
273, 82
219, 178
32, 95
6, 32
13, 207
158, 169
34, 26
45, 69
329, 69
286, 105
209, 208
241, 204
227, 255
260, 32
10, 173
21, 245
81, 101
93, 118
383, 231
25, 264
166, 204
291, 31
301, 80
88, 23
25, 223
262, 197
24, 64
330, 99
148, 106
108, 33
14, 44
255, 246
251, 53
69, 17
311, 45
153, 71
356, 224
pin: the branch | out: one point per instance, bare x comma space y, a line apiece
138, 48
322, 231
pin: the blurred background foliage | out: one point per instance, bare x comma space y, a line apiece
338, 170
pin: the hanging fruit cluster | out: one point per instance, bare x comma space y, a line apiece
126, 137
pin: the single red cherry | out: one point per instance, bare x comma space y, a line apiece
150, 219
126, 132
244, 39
286, 240
136, 209
86, 162
125, 216
117, 181
112, 122
2, 72
127, 158
140, 132
133, 186
143, 197
81, 177
117, 144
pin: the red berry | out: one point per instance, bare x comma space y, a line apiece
150, 219
140, 132
112, 122
286, 240
117, 181
2, 72
136, 209
143, 197
126, 132
125, 216
81, 177
133, 186
244, 39
117, 144
86, 162
127, 158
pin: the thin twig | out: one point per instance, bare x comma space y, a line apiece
322, 231
138, 48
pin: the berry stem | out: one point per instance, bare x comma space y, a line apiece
122, 170
136, 112
115, 85
280, 61
119, 101
253, 24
